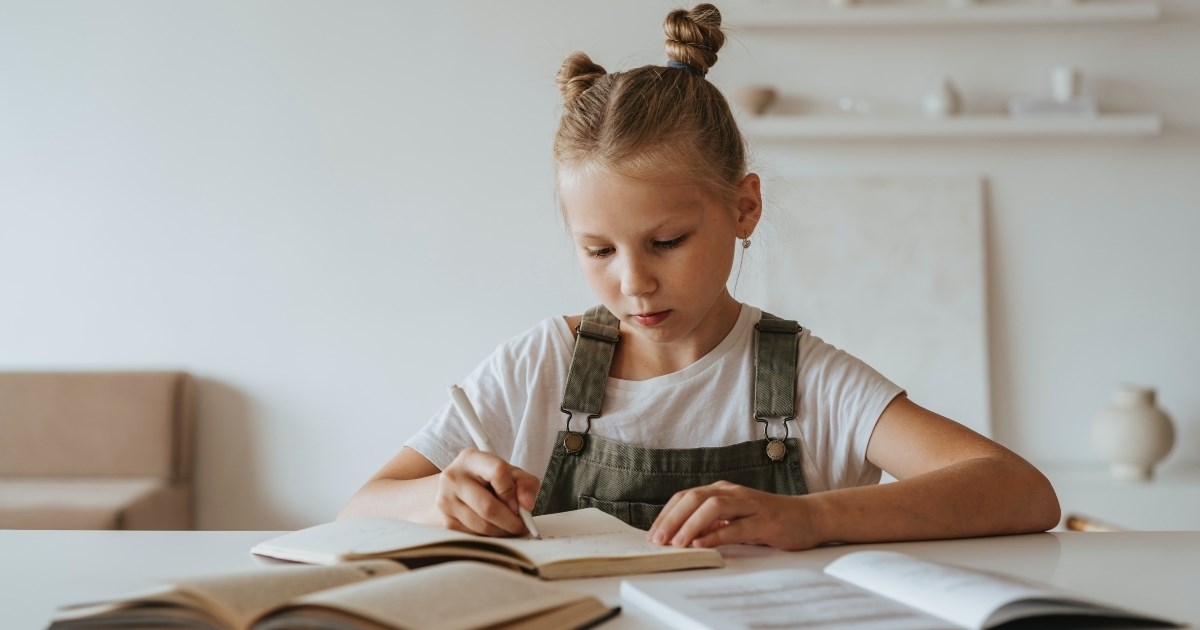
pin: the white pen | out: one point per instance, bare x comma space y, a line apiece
458, 396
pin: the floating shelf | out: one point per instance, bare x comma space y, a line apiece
776, 15
998, 126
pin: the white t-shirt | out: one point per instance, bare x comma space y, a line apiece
518, 389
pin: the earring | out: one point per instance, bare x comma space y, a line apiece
746, 243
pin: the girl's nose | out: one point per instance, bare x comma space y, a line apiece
636, 279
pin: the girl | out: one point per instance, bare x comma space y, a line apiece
671, 405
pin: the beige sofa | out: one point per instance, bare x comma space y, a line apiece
96, 450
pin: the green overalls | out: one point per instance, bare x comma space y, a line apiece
633, 483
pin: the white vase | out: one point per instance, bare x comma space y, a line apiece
941, 100
1133, 434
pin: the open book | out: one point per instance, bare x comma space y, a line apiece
882, 590
375, 595
581, 543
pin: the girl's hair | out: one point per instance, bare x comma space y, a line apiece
655, 120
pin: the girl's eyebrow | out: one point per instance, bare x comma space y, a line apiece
651, 230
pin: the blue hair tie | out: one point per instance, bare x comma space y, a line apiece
684, 66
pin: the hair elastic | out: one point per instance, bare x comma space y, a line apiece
685, 66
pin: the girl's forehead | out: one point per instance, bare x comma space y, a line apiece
588, 189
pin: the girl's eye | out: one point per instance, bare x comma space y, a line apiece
603, 252
671, 244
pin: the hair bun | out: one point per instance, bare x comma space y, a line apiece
694, 37
577, 74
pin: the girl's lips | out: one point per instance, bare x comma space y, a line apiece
651, 319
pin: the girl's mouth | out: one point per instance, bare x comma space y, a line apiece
651, 319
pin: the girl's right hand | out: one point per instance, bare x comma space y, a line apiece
480, 493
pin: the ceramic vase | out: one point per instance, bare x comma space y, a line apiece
1132, 433
1065, 83
755, 98
942, 100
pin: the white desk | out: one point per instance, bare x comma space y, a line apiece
1169, 503
1154, 572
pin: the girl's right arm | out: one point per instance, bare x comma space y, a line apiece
478, 493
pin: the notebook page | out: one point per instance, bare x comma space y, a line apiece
784, 598
587, 533
329, 542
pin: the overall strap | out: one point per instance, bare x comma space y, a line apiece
775, 374
590, 362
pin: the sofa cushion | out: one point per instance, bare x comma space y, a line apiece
96, 423
67, 503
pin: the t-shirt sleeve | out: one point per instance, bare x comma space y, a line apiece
496, 389
845, 400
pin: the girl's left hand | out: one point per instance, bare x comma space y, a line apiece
724, 513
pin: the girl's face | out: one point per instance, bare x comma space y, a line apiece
658, 254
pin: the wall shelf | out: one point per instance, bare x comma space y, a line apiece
914, 128
778, 15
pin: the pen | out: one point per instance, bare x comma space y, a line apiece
458, 396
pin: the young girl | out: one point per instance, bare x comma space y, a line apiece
671, 405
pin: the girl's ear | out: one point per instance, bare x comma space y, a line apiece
749, 205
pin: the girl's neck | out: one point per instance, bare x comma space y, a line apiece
637, 359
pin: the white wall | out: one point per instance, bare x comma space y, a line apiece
331, 211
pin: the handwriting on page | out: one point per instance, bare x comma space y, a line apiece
613, 545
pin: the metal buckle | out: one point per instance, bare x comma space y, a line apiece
776, 447
575, 441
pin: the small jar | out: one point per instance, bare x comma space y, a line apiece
1132, 433
942, 99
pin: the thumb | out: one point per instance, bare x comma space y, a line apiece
527, 487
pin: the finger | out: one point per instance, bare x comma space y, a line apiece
505, 479
652, 533
489, 508
472, 522
451, 523
732, 532
674, 516
527, 487
714, 509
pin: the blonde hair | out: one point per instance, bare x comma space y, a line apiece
655, 120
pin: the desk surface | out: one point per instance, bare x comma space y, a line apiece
1153, 572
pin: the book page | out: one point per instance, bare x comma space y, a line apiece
244, 595
968, 597
451, 596
785, 598
232, 599
964, 596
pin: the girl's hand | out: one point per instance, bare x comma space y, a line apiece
723, 513
480, 493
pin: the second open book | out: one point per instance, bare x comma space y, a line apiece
871, 590
581, 543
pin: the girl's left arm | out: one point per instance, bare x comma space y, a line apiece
951, 483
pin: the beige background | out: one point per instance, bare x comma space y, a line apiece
889, 269
331, 211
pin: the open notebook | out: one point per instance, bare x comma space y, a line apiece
581, 543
